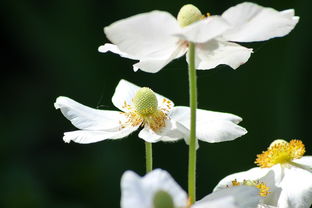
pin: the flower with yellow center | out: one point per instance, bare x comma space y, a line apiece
284, 169
141, 107
156, 38
158, 189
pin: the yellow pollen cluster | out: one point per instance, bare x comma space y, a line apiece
263, 189
280, 152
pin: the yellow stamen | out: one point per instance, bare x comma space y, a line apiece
281, 152
263, 189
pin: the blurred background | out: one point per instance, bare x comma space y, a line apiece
49, 49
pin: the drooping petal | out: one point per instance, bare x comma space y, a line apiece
139, 192
251, 22
144, 35
215, 52
125, 92
296, 189
204, 30
172, 131
87, 137
114, 49
233, 197
211, 126
153, 65
87, 118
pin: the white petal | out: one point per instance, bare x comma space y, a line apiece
153, 65
296, 189
173, 131
144, 35
114, 49
210, 126
204, 30
305, 161
270, 176
139, 192
252, 174
251, 22
215, 52
265, 206
125, 92
87, 137
87, 118
234, 197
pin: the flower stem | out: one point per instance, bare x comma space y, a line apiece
193, 106
149, 156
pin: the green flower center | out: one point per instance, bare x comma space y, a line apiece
162, 199
145, 101
189, 14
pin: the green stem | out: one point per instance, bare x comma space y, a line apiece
193, 106
149, 156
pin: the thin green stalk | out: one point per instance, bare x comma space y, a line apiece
149, 156
193, 106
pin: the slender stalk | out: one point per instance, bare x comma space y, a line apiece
149, 156
193, 106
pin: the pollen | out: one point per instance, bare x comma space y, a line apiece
263, 189
280, 152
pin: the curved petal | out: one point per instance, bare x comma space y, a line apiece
87, 137
125, 92
251, 22
146, 35
305, 161
172, 131
153, 65
139, 192
296, 189
252, 174
233, 197
114, 49
215, 52
270, 176
211, 126
204, 30
87, 118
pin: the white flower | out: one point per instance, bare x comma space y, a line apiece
287, 174
156, 38
142, 107
158, 189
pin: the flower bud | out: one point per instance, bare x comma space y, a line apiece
145, 101
162, 200
188, 14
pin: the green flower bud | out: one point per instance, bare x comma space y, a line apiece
163, 200
145, 101
188, 14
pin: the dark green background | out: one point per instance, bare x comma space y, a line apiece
49, 48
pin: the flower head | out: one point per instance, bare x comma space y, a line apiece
141, 107
286, 172
158, 189
156, 38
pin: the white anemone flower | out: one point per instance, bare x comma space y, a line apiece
156, 38
286, 172
158, 189
160, 119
